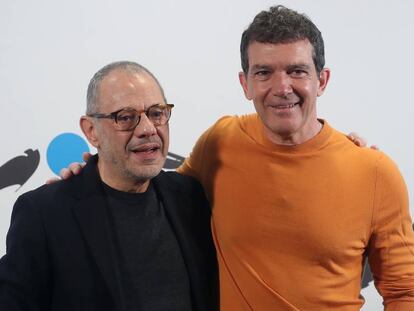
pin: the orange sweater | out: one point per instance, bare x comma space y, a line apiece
292, 223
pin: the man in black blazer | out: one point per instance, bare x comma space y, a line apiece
123, 235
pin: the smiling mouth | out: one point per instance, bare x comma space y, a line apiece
284, 106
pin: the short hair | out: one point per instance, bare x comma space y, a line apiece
92, 101
282, 25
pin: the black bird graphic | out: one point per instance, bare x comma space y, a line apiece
173, 161
19, 169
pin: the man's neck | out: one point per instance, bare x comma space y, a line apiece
121, 183
296, 138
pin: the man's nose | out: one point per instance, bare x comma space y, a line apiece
281, 84
145, 127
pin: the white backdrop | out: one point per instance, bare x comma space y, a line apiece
50, 49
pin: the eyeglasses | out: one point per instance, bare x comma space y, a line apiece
126, 119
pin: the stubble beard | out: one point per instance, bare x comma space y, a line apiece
143, 173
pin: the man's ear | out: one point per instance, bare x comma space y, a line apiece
244, 85
323, 80
89, 130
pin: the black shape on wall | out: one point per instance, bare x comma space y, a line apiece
173, 161
19, 169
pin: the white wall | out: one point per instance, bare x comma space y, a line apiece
50, 49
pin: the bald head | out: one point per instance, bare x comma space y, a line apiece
92, 98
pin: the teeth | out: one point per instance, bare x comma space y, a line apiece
286, 106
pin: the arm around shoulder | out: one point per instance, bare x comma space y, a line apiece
204, 157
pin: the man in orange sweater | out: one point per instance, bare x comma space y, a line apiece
297, 207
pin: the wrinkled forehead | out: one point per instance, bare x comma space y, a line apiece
122, 81
122, 88
261, 51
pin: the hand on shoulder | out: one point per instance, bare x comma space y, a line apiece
73, 169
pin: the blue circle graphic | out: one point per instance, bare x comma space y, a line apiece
65, 149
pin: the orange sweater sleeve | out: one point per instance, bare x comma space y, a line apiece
204, 156
391, 247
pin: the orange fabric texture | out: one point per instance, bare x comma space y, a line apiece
292, 223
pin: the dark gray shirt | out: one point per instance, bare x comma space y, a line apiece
154, 276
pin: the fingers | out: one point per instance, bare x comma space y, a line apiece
360, 141
357, 140
65, 173
52, 180
74, 169
86, 156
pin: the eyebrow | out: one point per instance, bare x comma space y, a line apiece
259, 66
306, 67
289, 67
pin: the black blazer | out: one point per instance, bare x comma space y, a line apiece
60, 254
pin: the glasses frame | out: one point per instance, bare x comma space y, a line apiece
114, 115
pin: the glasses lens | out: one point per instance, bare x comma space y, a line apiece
127, 119
159, 114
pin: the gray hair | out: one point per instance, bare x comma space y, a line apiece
92, 102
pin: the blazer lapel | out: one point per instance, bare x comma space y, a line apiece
176, 208
92, 216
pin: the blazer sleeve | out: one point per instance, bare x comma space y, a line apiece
24, 270
391, 248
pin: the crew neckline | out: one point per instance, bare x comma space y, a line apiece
254, 127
